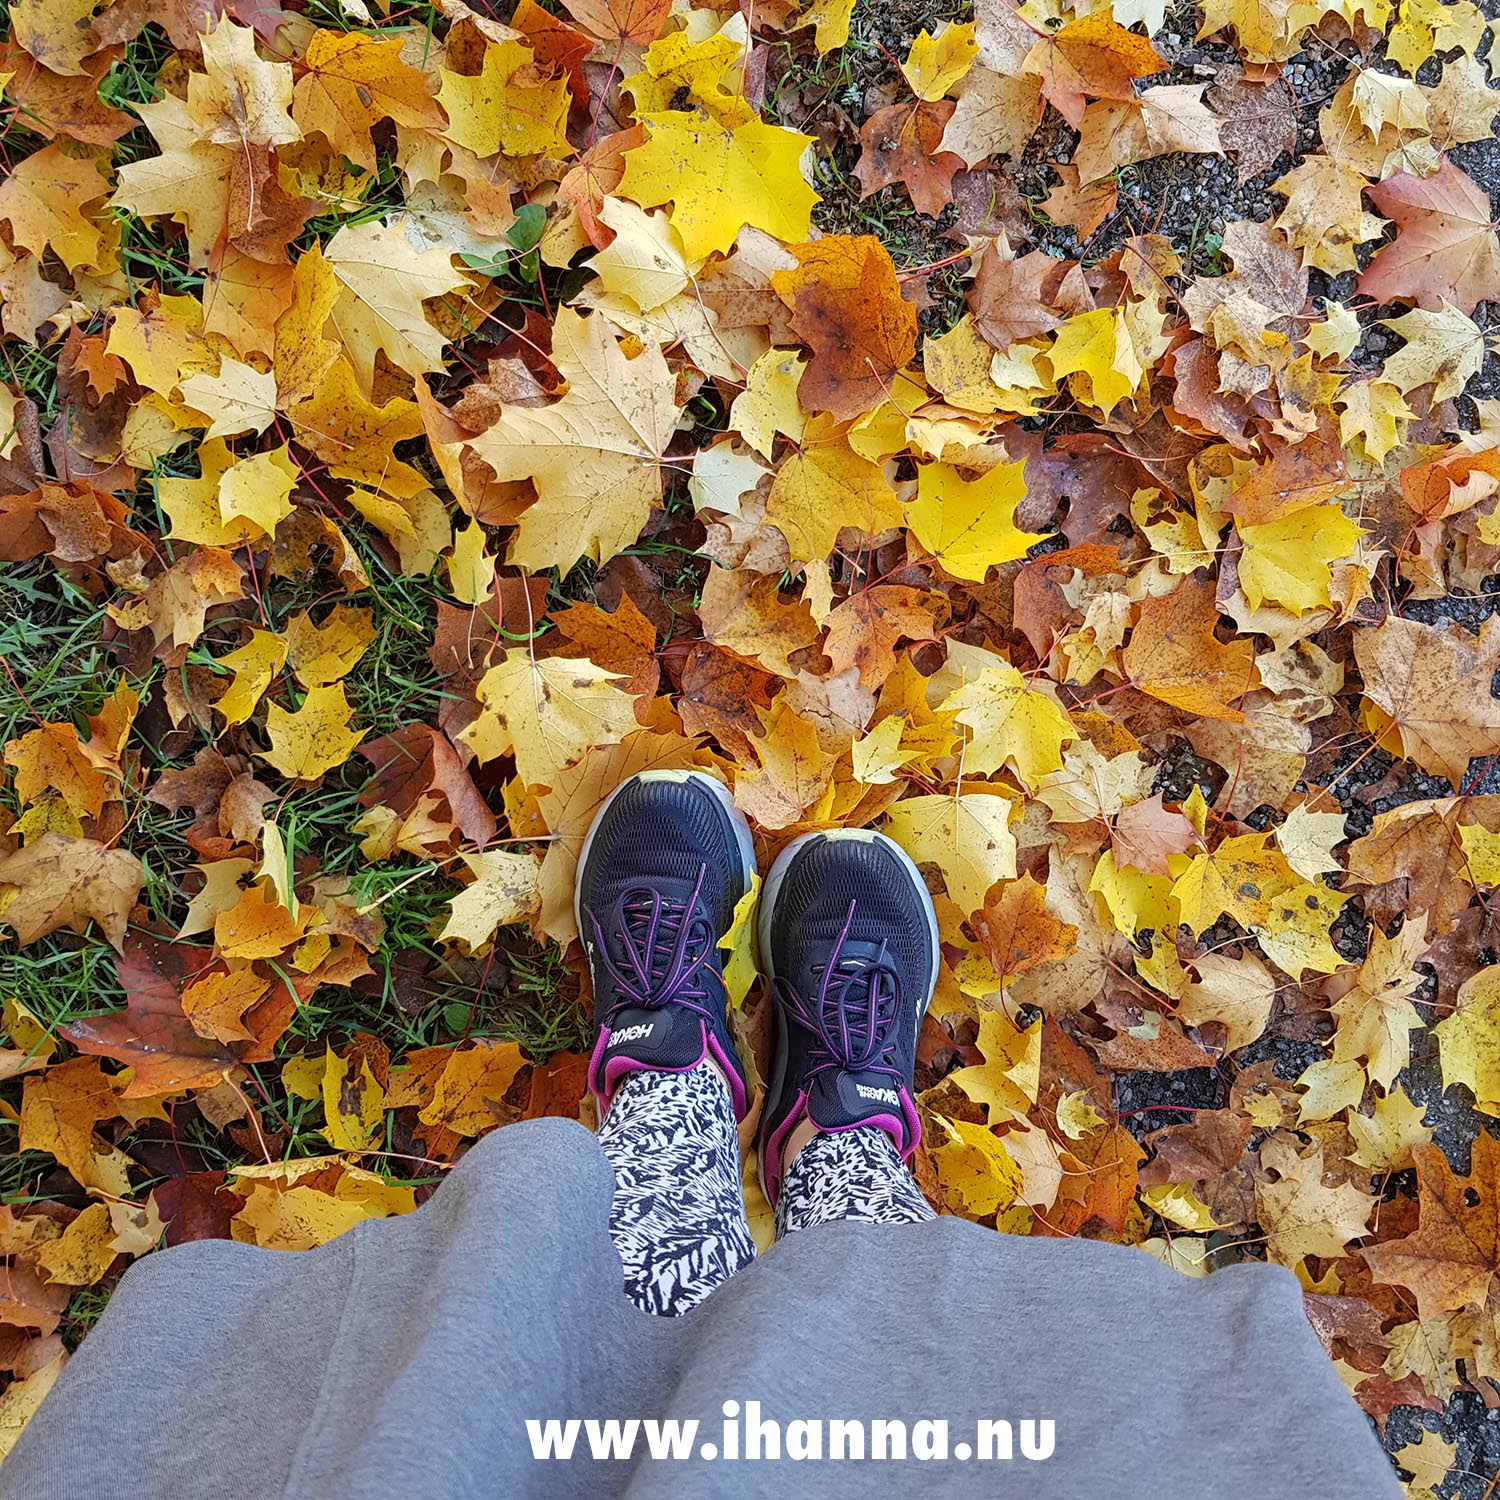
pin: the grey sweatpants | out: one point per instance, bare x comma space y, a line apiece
420, 1356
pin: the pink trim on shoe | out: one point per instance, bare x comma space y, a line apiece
893, 1126
731, 1073
604, 1086
907, 1127
776, 1144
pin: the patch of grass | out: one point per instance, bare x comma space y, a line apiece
62, 977
55, 664
84, 1309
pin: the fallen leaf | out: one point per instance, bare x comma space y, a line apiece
546, 713
314, 739
1445, 249
68, 882
846, 306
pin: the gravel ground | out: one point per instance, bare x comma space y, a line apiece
1189, 199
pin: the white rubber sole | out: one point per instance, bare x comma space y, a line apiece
764, 918
716, 788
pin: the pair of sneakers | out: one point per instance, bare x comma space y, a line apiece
847, 937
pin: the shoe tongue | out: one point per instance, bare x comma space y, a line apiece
864, 953
837, 1100
666, 1038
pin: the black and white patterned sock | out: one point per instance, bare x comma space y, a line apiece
849, 1174
678, 1215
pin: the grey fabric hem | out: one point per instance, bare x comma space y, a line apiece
405, 1358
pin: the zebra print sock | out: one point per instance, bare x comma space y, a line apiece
678, 1214
849, 1174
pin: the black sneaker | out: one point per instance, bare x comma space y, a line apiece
661, 870
849, 940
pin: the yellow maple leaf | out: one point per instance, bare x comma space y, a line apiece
1383, 1139
354, 437
241, 99
1469, 1040
161, 342
192, 505
547, 712
878, 756
831, 18
1302, 1216
352, 81
1444, 348
320, 654
592, 455
471, 567
739, 944
935, 63
1287, 561
1096, 350
966, 836
239, 398
507, 107
794, 776
301, 356
82, 1253
307, 744
1375, 1016
768, 404
977, 1173
1373, 418
45, 198
189, 181
353, 1102
385, 280
470, 1080
215, 1004
1481, 854
1009, 1078
825, 486
254, 665
1239, 879
969, 525
676, 67
1136, 900
506, 888
52, 758
1010, 721
1296, 932
644, 263
258, 490
718, 179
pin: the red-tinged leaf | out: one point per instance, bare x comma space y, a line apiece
1446, 250
152, 1035
196, 1207
900, 145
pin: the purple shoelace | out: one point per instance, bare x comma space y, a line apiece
665, 947
857, 1002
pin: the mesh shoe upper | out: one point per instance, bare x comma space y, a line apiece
657, 887
852, 955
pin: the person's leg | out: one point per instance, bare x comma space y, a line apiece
678, 1216
849, 941
660, 873
848, 1174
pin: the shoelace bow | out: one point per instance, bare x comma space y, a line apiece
665, 947
853, 1012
